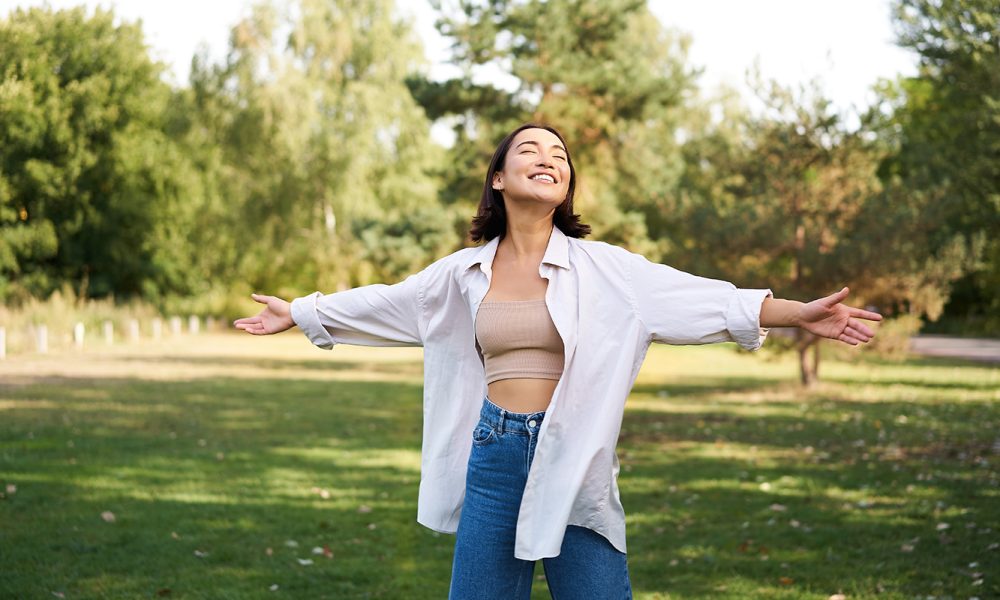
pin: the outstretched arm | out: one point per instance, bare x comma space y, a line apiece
826, 317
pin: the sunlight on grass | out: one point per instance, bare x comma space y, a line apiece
881, 482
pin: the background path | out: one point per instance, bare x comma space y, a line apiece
981, 349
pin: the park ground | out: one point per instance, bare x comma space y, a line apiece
226, 466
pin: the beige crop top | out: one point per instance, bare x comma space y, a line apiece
519, 339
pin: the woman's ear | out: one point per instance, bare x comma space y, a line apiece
497, 183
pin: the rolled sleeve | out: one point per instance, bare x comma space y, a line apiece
743, 317
307, 318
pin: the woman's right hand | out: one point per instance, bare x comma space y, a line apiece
275, 318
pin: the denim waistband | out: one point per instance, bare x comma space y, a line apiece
505, 421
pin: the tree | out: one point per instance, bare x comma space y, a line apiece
798, 206
87, 171
319, 133
944, 128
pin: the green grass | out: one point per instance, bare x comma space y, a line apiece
216, 453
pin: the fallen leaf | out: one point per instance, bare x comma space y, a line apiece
786, 581
268, 551
59, 594
291, 543
200, 554
837, 597
942, 526
274, 587
372, 526
11, 488
108, 516
327, 552
175, 535
906, 548
317, 550
163, 592
305, 562
364, 508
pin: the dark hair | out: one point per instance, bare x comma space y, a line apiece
491, 217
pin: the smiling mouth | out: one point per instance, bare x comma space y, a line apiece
544, 178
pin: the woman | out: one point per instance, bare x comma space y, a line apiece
531, 344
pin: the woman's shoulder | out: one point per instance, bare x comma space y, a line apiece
603, 252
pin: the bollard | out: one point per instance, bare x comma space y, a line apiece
133, 330
42, 339
175, 325
193, 324
78, 332
3, 343
109, 333
157, 328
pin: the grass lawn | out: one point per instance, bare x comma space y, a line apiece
225, 466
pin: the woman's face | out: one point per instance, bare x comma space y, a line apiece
536, 169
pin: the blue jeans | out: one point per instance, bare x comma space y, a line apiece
588, 566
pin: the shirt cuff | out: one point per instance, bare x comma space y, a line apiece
743, 318
307, 318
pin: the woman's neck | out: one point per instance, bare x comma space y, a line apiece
525, 241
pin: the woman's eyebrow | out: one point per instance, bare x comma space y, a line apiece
536, 144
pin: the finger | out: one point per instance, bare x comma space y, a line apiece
848, 339
854, 333
247, 321
836, 297
859, 326
260, 298
865, 314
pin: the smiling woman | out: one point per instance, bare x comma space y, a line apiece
532, 342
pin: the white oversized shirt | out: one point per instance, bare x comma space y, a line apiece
608, 305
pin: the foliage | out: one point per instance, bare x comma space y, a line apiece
89, 177
945, 126
318, 133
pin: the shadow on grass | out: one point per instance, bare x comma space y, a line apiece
205, 476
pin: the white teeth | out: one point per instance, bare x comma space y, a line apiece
544, 177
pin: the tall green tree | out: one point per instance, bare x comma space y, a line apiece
320, 141
797, 205
87, 170
944, 125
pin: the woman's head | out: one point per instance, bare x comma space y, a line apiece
531, 165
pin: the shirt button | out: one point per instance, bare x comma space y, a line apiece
531, 423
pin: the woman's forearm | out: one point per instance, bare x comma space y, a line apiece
775, 312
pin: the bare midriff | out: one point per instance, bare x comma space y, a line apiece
522, 395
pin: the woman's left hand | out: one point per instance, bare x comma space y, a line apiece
828, 317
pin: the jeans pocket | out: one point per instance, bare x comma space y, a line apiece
483, 434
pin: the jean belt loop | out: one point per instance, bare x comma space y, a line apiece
503, 416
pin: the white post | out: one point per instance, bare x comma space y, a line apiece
175, 325
78, 332
42, 339
157, 328
209, 323
109, 333
133, 330
3, 343
193, 324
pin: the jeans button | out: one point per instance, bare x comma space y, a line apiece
531, 423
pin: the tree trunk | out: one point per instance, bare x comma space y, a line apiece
808, 370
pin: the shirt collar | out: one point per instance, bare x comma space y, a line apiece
556, 252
